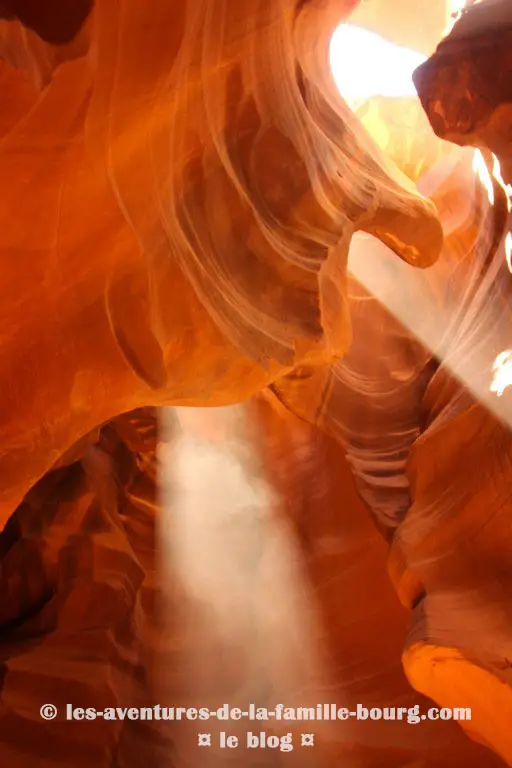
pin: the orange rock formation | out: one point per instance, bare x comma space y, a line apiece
182, 186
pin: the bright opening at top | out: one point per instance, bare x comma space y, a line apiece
365, 65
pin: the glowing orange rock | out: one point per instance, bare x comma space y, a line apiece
176, 208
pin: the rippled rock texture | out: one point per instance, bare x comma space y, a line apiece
181, 183
79, 617
191, 216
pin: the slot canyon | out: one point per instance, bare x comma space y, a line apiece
256, 383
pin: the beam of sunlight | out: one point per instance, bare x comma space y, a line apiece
242, 610
487, 372
483, 374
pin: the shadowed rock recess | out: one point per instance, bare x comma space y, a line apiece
191, 216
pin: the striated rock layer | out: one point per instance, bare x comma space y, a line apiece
79, 621
345, 559
181, 182
182, 190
